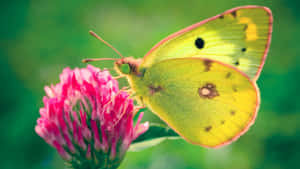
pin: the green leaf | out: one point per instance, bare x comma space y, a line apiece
153, 136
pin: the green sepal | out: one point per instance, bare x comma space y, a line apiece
153, 136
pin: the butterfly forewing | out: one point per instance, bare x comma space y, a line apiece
239, 37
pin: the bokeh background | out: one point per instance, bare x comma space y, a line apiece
38, 38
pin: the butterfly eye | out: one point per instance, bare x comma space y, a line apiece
125, 68
199, 43
244, 49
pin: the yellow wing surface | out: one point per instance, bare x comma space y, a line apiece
205, 101
239, 37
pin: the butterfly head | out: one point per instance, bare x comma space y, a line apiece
124, 65
128, 65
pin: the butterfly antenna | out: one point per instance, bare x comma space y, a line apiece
106, 43
97, 59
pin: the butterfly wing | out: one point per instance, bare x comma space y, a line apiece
239, 37
206, 102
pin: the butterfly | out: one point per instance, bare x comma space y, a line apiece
201, 80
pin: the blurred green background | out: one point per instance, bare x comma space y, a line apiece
39, 38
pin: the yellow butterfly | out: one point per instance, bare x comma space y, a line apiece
202, 80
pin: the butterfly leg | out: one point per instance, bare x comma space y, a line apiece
119, 77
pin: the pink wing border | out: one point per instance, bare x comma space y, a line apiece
216, 17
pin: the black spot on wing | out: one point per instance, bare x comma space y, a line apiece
199, 42
237, 63
228, 75
154, 89
234, 14
208, 128
246, 27
232, 113
208, 91
207, 63
234, 88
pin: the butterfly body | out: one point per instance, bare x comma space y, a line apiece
201, 80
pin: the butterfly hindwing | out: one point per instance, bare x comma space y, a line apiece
206, 102
239, 37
